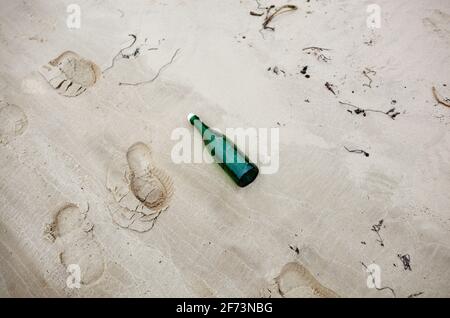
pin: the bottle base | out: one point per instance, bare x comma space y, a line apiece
248, 177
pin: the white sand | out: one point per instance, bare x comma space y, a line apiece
216, 239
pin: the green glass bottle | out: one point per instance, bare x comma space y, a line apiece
226, 154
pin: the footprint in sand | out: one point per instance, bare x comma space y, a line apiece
439, 23
74, 233
70, 74
295, 280
13, 122
140, 190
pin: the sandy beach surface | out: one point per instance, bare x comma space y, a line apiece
328, 223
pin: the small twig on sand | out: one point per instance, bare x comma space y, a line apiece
415, 295
391, 113
358, 151
120, 53
439, 99
374, 281
330, 86
157, 74
317, 51
366, 73
256, 14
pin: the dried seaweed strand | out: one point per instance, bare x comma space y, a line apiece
439, 99
259, 5
259, 14
154, 77
366, 73
256, 14
269, 17
379, 288
377, 228
391, 113
315, 48
317, 51
406, 260
120, 53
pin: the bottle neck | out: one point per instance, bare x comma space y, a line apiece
197, 123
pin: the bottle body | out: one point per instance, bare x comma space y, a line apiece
233, 161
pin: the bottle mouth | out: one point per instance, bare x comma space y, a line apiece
248, 177
191, 117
